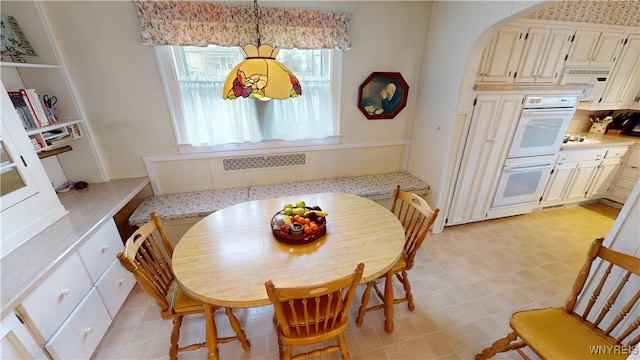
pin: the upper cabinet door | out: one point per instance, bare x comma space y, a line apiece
595, 48
543, 55
582, 48
623, 86
501, 56
535, 42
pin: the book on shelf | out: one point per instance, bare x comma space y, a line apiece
22, 109
39, 107
58, 141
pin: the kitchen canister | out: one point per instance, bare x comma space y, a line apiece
597, 128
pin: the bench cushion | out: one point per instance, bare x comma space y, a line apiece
259, 192
382, 184
183, 206
196, 205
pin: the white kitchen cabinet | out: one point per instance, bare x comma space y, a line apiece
493, 124
70, 311
604, 176
582, 174
543, 55
572, 176
595, 48
16, 342
623, 84
626, 177
500, 58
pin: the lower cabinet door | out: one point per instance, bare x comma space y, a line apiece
114, 287
16, 342
81, 333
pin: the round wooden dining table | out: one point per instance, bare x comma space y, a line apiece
226, 258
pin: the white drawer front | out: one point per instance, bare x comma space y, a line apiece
79, 336
630, 173
53, 300
618, 151
114, 287
100, 250
581, 155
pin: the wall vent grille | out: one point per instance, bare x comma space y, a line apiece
259, 162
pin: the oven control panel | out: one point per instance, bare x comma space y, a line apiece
538, 102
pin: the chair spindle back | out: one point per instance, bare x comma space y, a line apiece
316, 309
416, 217
619, 274
149, 259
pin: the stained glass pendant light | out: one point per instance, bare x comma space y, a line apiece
260, 75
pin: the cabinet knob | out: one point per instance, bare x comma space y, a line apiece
121, 281
105, 248
65, 292
88, 330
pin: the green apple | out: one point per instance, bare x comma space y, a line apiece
300, 204
299, 211
287, 211
287, 206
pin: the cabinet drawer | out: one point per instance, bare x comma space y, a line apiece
581, 155
625, 183
51, 302
114, 287
79, 336
621, 193
99, 251
616, 152
630, 173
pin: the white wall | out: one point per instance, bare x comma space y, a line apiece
120, 87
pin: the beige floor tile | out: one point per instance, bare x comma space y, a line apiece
466, 283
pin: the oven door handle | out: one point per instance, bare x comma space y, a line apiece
526, 168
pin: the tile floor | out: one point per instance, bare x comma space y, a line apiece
466, 282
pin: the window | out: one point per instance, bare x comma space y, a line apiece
203, 121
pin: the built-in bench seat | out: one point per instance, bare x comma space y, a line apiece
196, 205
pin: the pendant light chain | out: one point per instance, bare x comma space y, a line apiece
255, 6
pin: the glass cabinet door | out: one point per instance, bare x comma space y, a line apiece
15, 181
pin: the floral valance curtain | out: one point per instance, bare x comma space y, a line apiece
189, 23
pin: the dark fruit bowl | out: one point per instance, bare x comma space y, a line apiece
293, 239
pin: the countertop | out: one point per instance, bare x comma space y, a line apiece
27, 266
593, 141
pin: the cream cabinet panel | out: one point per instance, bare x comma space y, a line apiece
558, 183
595, 48
603, 177
81, 333
114, 287
581, 180
543, 55
627, 177
492, 127
101, 250
624, 83
53, 300
501, 56
16, 342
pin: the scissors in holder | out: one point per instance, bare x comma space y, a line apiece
49, 101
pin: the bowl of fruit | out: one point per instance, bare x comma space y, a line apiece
299, 224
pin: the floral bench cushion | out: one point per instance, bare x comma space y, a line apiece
196, 205
183, 206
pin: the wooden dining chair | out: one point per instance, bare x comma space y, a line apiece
416, 217
149, 259
579, 330
312, 314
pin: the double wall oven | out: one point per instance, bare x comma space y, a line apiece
539, 134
